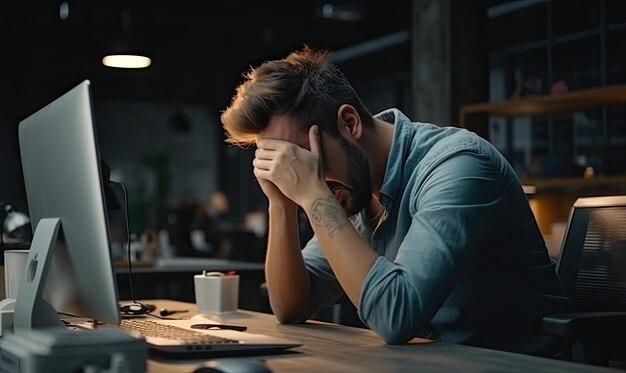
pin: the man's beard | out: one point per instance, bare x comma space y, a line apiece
359, 174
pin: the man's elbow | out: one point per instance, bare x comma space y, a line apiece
394, 337
289, 319
288, 316
394, 329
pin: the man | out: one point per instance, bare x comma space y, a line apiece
425, 229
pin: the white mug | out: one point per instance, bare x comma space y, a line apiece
14, 266
216, 292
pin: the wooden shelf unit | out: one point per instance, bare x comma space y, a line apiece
475, 116
573, 184
551, 103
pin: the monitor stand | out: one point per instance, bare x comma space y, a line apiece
32, 311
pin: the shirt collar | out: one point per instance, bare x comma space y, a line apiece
400, 145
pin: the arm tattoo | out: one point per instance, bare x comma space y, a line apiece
326, 213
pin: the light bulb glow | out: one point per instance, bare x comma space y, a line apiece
126, 61
64, 10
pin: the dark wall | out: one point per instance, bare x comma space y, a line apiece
11, 70
469, 65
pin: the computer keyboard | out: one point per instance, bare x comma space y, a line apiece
149, 328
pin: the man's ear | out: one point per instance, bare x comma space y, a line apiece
349, 121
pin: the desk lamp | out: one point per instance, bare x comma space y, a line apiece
13, 224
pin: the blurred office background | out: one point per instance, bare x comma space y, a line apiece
159, 129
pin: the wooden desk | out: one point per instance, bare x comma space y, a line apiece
335, 348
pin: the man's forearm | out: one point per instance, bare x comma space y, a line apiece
287, 279
349, 255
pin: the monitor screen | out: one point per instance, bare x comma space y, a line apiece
69, 268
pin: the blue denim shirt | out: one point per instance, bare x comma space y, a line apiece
461, 257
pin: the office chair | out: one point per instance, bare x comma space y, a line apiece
592, 270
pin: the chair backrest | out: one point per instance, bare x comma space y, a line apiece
592, 263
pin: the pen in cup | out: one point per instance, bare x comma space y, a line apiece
166, 312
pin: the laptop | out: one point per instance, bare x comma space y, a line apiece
179, 337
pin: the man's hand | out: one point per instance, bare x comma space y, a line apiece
296, 171
275, 196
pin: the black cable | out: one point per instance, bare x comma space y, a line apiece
163, 317
2, 204
130, 264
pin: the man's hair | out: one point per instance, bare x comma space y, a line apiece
305, 86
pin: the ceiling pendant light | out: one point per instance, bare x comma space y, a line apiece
123, 55
126, 61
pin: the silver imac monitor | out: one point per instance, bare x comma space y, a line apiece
69, 268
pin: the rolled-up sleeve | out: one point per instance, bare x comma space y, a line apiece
453, 212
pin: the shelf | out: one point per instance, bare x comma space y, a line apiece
549, 104
560, 184
551, 198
